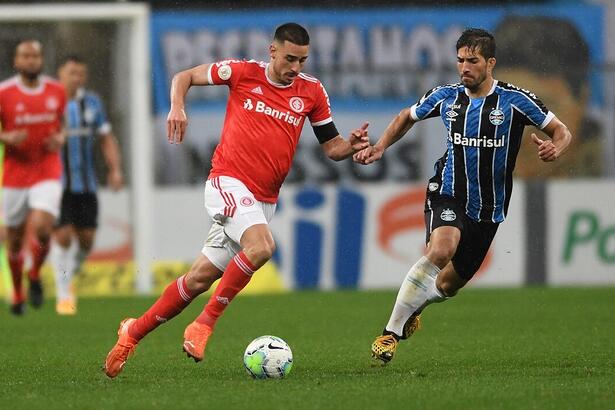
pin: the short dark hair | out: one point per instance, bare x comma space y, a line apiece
560, 48
293, 33
477, 39
71, 58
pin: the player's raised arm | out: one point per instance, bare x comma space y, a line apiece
396, 129
338, 148
550, 150
182, 81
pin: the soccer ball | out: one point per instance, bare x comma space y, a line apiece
268, 357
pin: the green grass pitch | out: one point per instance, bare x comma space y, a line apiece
509, 348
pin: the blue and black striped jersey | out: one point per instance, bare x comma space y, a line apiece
85, 119
484, 136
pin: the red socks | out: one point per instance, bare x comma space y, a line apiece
236, 276
172, 301
39, 253
16, 264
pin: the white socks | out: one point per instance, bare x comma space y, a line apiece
64, 265
416, 292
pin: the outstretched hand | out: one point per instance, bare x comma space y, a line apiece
359, 139
176, 125
368, 155
547, 151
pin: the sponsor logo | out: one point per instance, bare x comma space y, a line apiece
52, 103
448, 215
20, 107
480, 142
222, 300
296, 104
450, 115
453, 106
224, 72
433, 186
246, 201
496, 117
261, 107
257, 90
161, 319
28, 119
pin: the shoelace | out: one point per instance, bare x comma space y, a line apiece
386, 340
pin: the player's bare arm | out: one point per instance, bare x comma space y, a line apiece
14, 137
111, 153
397, 128
56, 140
550, 150
177, 121
339, 148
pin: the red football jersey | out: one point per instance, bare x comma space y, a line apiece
263, 123
39, 112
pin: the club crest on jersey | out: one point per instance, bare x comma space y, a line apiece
448, 215
246, 201
496, 117
52, 103
89, 115
296, 104
224, 72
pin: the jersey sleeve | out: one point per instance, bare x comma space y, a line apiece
321, 112
429, 105
226, 72
103, 126
532, 108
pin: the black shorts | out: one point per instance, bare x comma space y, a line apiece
80, 210
476, 237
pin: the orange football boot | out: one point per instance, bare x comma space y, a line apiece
195, 340
123, 349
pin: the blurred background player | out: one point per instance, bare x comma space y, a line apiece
32, 109
267, 107
86, 121
468, 197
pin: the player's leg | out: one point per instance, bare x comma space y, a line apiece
176, 296
15, 203
444, 224
44, 202
248, 240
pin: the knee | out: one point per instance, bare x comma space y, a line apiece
441, 254
260, 252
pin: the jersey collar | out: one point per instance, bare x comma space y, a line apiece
273, 83
31, 91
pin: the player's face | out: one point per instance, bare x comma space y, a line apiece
287, 60
29, 59
473, 68
73, 75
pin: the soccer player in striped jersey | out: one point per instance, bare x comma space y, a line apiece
267, 107
468, 196
87, 127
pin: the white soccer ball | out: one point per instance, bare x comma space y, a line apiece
268, 357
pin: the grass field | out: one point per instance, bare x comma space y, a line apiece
530, 348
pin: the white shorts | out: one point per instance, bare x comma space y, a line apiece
44, 196
233, 209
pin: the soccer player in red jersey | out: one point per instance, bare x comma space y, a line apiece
267, 107
32, 109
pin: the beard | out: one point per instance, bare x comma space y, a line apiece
472, 84
30, 74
